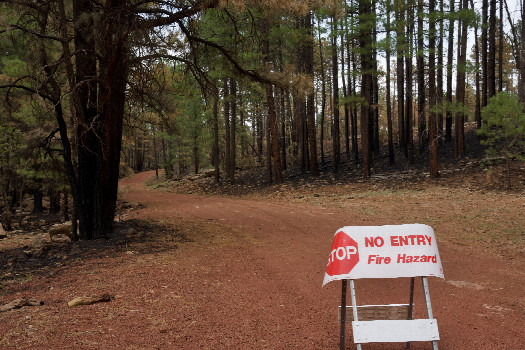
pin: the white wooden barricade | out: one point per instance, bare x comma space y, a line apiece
391, 323
385, 252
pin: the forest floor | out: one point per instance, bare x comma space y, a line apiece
241, 266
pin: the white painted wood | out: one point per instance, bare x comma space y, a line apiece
354, 306
395, 331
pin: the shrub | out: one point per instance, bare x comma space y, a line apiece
503, 128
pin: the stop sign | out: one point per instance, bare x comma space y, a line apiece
343, 256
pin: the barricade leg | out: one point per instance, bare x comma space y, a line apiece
429, 306
410, 304
343, 316
354, 306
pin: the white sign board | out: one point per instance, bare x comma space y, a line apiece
383, 252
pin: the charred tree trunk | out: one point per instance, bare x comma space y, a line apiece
521, 89
353, 115
65, 205
516, 50
439, 86
309, 70
227, 129
500, 47
216, 159
477, 112
100, 114
459, 144
37, 200
345, 92
260, 135
54, 201
365, 40
484, 57
391, 155
283, 128
272, 136
335, 96
434, 169
400, 36
450, 62
491, 59
420, 62
374, 125
323, 91
233, 129
409, 150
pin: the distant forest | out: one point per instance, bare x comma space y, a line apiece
89, 88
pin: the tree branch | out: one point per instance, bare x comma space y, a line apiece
31, 90
37, 34
230, 56
170, 18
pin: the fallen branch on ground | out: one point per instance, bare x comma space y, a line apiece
19, 303
89, 300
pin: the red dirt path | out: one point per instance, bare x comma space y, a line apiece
251, 279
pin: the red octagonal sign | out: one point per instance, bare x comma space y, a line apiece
343, 256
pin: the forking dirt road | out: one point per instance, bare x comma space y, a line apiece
258, 283
248, 275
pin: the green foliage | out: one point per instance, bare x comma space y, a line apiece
503, 128
13, 67
453, 108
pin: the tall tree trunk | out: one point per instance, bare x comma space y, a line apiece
365, 40
100, 126
38, 208
522, 56
65, 205
391, 155
484, 56
260, 134
477, 112
323, 90
439, 86
155, 152
434, 172
459, 145
450, 62
500, 47
409, 151
420, 62
309, 70
89, 147
400, 47
196, 155
282, 113
345, 92
233, 129
374, 125
216, 160
335, 96
516, 50
54, 201
242, 126
355, 143
273, 135
227, 129
268, 136
491, 59
283, 127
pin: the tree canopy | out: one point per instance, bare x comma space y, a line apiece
90, 87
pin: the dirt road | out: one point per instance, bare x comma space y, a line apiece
251, 279
262, 288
